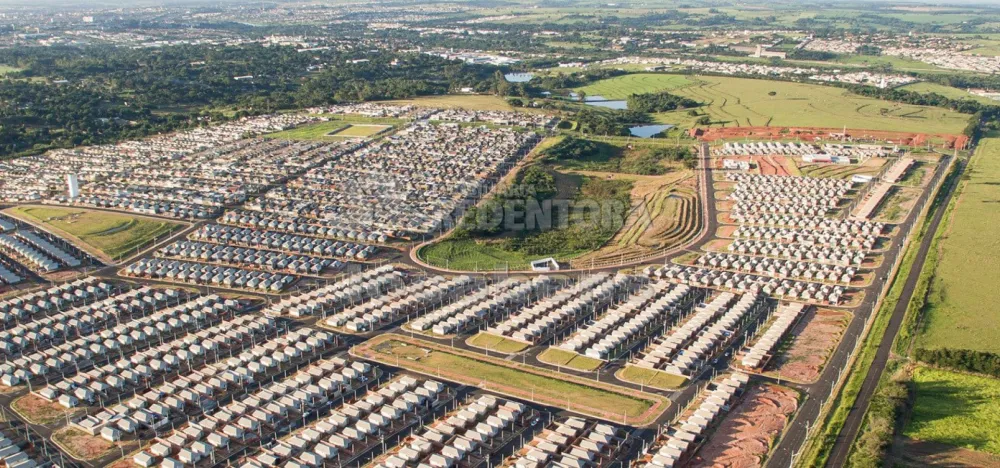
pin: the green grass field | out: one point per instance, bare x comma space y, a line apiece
653, 378
565, 358
510, 377
360, 130
947, 91
620, 87
956, 409
497, 343
747, 102
112, 233
5, 69
964, 288
316, 131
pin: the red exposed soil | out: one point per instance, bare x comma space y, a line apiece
745, 436
817, 133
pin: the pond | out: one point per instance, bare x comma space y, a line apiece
600, 101
519, 77
647, 131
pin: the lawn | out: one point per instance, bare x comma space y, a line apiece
360, 130
115, 234
560, 357
961, 309
5, 69
518, 380
947, 91
620, 87
748, 102
497, 343
653, 378
956, 409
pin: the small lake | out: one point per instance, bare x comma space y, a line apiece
519, 77
647, 131
599, 101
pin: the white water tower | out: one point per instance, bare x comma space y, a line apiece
73, 185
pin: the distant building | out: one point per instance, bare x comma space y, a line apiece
73, 185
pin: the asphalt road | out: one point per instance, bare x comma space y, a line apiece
818, 393
852, 425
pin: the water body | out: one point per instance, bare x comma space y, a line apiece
647, 131
617, 105
518, 77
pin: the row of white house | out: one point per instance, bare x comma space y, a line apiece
848, 226
808, 237
209, 437
570, 443
676, 445
282, 242
783, 319
242, 257
356, 426
421, 295
510, 294
649, 307
448, 441
117, 377
293, 224
803, 291
24, 306
538, 321
827, 255
348, 291
204, 274
777, 268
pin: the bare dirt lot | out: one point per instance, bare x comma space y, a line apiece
814, 338
746, 435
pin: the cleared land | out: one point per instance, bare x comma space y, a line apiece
650, 377
809, 345
964, 289
521, 381
747, 102
747, 434
114, 234
38, 411
956, 409
565, 358
81, 445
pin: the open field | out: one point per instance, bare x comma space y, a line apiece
473, 255
947, 91
114, 234
565, 358
521, 381
316, 131
491, 342
747, 102
360, 130
956, 409
650, 377
5, 69
842, 171
964, 286
620, 87
35, 410
460, 101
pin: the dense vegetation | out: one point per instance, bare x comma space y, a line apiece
659, 102
104, 94
963, 360
609, 122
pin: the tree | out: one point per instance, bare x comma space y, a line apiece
704, 120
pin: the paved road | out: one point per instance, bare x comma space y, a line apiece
818, 393
842, 447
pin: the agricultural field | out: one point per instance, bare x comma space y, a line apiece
955, 409
513, 379
620, 87
964, 283
114, 234
947, 91
748, 102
